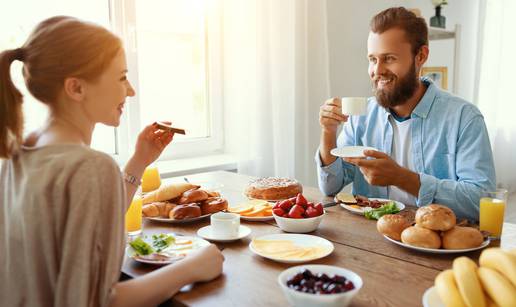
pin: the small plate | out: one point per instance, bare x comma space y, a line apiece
176, 252
361, 210
431, 298
439, 250
205, 233
350, 151
298, 239
172, 221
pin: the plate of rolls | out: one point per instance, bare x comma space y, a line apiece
181, 203
435, 231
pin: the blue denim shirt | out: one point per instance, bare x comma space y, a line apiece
450, 148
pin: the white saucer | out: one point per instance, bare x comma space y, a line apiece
205, 233
350, 151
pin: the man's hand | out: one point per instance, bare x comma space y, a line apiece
384, 171
330, 115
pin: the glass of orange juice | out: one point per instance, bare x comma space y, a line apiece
150, 179
492, 209
133, 216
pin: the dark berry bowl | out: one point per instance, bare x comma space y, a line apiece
319, 285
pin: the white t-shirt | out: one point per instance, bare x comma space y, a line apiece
402, 154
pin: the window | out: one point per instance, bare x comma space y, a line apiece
173, 53
15, 29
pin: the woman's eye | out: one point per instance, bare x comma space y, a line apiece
124, 78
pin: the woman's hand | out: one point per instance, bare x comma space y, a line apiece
206, 263
150, 144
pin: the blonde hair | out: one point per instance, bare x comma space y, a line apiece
59, 47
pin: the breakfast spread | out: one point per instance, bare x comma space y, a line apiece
273, 188
491, 283
182, 201
297, 208
319, 283
435, 228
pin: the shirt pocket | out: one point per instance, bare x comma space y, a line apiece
442, 166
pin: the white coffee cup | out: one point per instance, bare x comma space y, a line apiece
225, 225
354, 105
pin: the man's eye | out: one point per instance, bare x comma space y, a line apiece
372, 60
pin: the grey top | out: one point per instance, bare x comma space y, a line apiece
61, 227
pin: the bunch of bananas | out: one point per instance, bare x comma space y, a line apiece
491, 284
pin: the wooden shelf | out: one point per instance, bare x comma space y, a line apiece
439, 34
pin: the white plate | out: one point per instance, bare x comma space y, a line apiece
439, 250
361, 211
172, 221
298, 239
256, 218
176, 252
205, 233
431, 298
350, 151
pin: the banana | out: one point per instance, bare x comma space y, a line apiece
498, 287
465, 273
447, 289
501, 261
490, 303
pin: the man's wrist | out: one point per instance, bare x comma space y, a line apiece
409, 181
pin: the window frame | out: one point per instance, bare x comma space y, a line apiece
123, 22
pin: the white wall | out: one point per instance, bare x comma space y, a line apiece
348, 27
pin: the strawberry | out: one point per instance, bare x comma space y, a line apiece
286, 205
278, 212
311, 212
301, 200
320, 209
277, 205
296, 212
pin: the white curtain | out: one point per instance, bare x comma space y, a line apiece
496, 91
275, 78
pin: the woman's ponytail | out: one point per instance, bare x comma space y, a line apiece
11, 116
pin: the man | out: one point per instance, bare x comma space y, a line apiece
432, 147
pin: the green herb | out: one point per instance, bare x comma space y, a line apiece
388, 208
162, 241
141, 247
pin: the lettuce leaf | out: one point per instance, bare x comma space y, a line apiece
141, 247
388, 208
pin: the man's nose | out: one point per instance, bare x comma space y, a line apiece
379, 68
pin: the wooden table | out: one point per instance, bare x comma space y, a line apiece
392, 275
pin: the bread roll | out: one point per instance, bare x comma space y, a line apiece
462, 237
214, 204
185, 211
420, 237
193, 196
168, 192
435, 217
161, 209
392, 225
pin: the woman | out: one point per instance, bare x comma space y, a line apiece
62, 203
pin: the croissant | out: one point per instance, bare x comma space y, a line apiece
168, 192
161, 209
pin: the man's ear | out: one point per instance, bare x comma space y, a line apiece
75, 88
422, 56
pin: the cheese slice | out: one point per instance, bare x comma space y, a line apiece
287, 250
346, 198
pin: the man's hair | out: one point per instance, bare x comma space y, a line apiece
415, 28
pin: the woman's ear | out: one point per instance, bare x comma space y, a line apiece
75, 88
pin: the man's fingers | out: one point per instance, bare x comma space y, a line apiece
335, 100
375, 154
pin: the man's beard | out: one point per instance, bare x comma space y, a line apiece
402, 90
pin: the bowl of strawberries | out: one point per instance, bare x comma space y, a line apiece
297, 215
